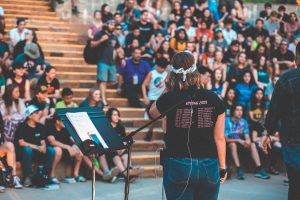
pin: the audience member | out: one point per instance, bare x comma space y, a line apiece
31, 139
19, 78
8, 155
17, 34
12, 111
96, 25
106, 69
238, 139
67, 99
93, 99
48, 79
132, 75
65, 150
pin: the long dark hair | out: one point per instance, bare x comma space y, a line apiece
235, 95
185, 39
254, 101
8, 97
241, 77
47, 70
109, 113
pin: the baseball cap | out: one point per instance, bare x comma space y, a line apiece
30, 110
41, 89
32, 50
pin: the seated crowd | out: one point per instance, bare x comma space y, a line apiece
238, 60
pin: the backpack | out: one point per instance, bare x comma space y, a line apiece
90, 54
6, 177
40, 179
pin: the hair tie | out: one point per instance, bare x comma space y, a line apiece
185, 72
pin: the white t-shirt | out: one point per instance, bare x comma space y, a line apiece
14, 34
229, 36
157, 84
191, 32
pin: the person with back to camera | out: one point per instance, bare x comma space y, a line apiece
194, 162
284, 116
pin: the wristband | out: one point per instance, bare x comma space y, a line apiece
119, 86
222, 173
37, 147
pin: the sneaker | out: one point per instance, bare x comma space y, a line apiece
262, 174
17, 183
113, 179
2, 189
51, 187
107, 175
27, 182
54, 180
69, 180
240, 174
115, 171
80, 179
286, 182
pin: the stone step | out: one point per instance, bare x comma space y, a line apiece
29, 2
70, 67
42, 27
145, 158
145, 146
138, 122
158, 133
53, 46
79, 85
151, 171
25, 7
75, 75
64, 53
13, 20
13, 14
62, 60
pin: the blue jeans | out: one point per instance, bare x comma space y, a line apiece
188, 179
29, 155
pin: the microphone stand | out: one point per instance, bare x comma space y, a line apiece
128, 140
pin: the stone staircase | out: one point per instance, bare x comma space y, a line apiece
63, 46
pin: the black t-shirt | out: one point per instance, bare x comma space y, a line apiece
206, 107
229, 57
54, 85
41, 105
29, 134
147, 31
287, 56
3, 49
106, 48
254, 32
120, 129
62, 136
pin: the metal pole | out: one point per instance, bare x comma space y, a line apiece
93, 177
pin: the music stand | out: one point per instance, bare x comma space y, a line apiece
90, 147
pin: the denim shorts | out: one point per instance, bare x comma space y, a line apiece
106, 73
188, 179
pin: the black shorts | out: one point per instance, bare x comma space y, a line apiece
258, 127
66, 157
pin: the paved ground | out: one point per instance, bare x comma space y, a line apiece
150, 189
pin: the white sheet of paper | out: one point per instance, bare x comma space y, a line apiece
85, 127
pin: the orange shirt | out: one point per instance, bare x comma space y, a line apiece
177, 46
